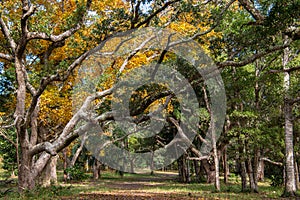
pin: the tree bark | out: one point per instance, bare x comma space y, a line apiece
49, 175
242, 166
197, 171
78, 151
297, 175
25, 179
96, 169
251, 175
290, 183
209, 170
225, 166
183, 169
216, 163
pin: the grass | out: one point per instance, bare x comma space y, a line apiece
144, 184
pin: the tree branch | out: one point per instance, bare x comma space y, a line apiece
45, 146
295, 100
252, 58
217, 23
285, 70
7, 138
64, 35
146, 21
135, 11
6, 57
198, 158
7, 35
272, 162
256, 14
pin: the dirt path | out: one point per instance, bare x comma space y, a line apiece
135, 188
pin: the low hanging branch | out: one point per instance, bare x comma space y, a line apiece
292, 69
252, 58
272, 162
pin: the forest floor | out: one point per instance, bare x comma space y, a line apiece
160, 186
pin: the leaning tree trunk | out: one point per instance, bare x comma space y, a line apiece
290, 182
49, 175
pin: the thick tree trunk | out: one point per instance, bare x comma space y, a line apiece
25, 178
183, 169
290, 183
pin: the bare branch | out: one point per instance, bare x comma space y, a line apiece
256, 14
133, 53
6, 57
7, 138
28, 12
78, 151
217, 23
198, 158
252, 58
206, 99
146, 21
285, 70
7, 35
47, 80
135, 11
272, 162
62, 36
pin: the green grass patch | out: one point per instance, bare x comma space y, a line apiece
160, 183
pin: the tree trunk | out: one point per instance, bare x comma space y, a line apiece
297, 175
225, 166
256, 168
197, 171
78, 151
96, 169
216, 162
152, 163
183, 169
209, 170
49, 175
261, 168
242, 166
250, 174
25, 179
290, 183
66, 177
243, 176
